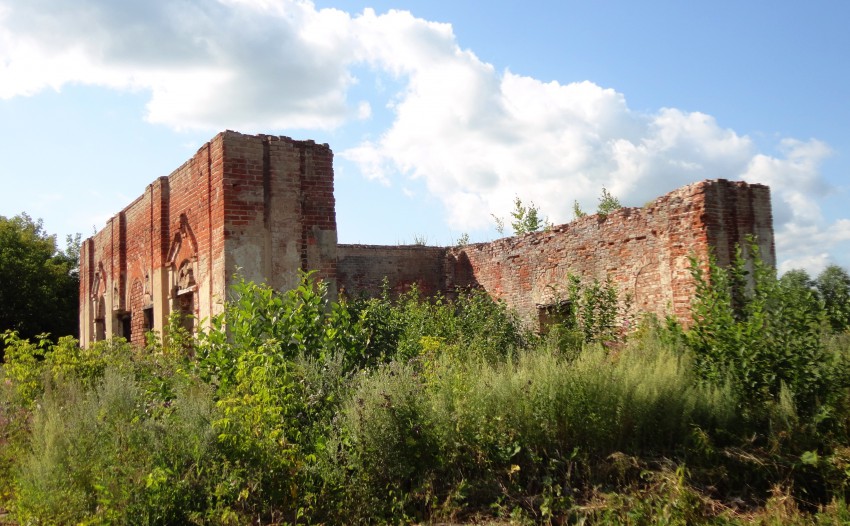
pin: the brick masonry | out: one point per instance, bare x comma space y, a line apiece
264, 206
261, 205
645, 251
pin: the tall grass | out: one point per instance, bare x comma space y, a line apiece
415, 410
496, 430
105, 454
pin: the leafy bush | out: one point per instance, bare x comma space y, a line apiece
597, 311
833, 285
293, 408
762, 333
473, 326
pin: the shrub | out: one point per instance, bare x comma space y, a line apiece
597, 310
833, 285
101, 455
473, 326
762, 333
392, 453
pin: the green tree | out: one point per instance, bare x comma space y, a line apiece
39, 284
833, 284
798, 278
762, 333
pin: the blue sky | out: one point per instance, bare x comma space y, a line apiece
439, 113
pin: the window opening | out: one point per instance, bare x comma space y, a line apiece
100, 320
186, 287
559, 313
147, 312
186, 307
126, 326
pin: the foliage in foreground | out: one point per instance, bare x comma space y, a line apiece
402, 410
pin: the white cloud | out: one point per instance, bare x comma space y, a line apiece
208, 65
812, 247
804, 238
475, 136
497, 135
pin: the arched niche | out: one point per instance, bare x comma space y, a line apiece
129, 319
98, 303
183, 271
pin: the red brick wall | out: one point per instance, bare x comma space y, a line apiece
137, 319
260, 204
644, 251
137, 260
319, 210
264, 206
135, 246
361, 269
279, 209
96, 255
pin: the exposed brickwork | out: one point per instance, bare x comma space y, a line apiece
362, 269
261, 205
137, 320
644, 250
278, 209
264, 206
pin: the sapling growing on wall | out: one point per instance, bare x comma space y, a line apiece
527, 218
577, 211
607, 203
500, 224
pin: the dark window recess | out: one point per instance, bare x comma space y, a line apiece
127, 327
186, 304
148, 314
560, 313
100, 321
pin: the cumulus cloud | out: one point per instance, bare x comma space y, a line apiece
474, 135
206, 64
498, 135
804, 238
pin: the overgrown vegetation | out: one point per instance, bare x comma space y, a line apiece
407, 409
525, 219
607, 204
529, 218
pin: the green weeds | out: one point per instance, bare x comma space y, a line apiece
293, 409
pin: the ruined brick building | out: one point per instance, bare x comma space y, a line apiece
264, 206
